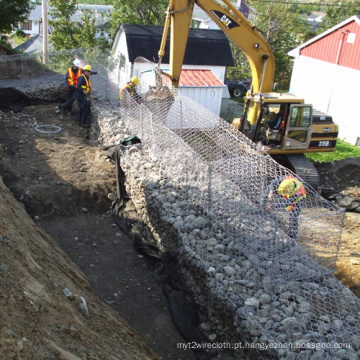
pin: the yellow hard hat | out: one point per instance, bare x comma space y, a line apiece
135, 80
286, 188
87, 67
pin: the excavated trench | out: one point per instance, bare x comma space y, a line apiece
69, 200
64, 182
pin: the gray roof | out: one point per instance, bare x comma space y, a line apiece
33, 45
204, 47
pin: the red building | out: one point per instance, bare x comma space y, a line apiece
326, 73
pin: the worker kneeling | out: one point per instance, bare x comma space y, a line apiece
291, 193
130, 88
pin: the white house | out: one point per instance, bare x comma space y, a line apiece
326, 73
206, 50
33, 25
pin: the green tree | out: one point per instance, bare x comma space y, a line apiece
147, 12
284, 29
12, 12
64, 31
96, 2
69, 35
241, 68
337, 14
88, 31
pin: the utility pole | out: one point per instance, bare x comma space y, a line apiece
45, 33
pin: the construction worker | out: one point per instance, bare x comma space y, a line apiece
279, 120
83, 95
71, 79
130, 88
291, 193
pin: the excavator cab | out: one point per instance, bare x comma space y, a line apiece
281, 126
298, 128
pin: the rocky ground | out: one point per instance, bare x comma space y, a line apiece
63, 181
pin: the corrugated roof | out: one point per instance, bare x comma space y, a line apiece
204, 47
199, 78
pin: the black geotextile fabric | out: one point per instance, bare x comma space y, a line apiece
164, 266
12, 99
346, 202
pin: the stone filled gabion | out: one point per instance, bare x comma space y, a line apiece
293, 319
49, 88
260, 290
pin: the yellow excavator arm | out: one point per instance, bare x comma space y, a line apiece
287, 139
233, 24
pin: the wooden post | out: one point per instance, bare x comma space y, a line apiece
45, 33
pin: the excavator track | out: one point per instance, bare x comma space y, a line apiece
300, 165
304, 168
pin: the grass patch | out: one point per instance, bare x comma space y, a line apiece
18, 40
342, 151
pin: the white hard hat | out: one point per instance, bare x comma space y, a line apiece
77, 62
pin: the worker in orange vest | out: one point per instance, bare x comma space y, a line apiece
291, 193
83, 96
129, 87
71, 79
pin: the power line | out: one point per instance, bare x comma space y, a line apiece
306, 3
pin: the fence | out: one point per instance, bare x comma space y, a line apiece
211, 184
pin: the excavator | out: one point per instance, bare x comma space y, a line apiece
281, 122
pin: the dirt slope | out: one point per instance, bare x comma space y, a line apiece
37, 320
344, 176
63, 182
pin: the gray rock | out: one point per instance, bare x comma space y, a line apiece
265, 299
68, 294
254, 302
200, 222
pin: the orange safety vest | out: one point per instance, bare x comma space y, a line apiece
73, 78
125, 87
87, 86
298, 192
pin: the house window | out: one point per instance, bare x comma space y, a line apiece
351, 38
122, 62
26, 25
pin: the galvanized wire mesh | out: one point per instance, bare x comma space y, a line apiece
210, 184
202, 151
24, 71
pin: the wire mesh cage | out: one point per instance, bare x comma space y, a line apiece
258, 256
219, 195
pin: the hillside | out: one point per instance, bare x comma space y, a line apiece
38, 320
63, 183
